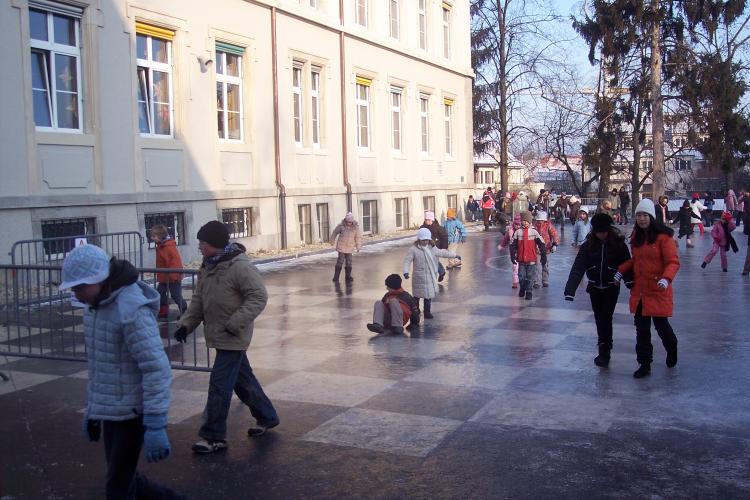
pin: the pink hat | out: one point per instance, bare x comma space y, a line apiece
429, 216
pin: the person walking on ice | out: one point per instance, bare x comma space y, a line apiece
347, 238
603, 251
581, 228
721, 234
505, 242
229, 295
423, 257
128, 391
456, 234
526, 246
551, 239
654, 265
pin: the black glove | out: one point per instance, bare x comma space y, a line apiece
180, 335
92, 429
406, 276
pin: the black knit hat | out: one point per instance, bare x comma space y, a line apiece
393, 281
601, 223
214, 233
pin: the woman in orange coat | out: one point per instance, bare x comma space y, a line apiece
653, 265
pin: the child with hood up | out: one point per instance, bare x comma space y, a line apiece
456, 234
722, 240
506, 242
581, 228
684, 216
526, 246
347, 237
423, 256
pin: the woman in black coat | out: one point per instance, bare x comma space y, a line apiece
662, 212
598, 258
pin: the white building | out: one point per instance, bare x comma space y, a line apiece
276, 116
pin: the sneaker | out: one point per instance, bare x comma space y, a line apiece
642, 371
375, 327
206, 446
528, 295
259, 430
703, 265
399, 330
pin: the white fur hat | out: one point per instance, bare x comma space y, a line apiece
541, 215
429, 216
646, 206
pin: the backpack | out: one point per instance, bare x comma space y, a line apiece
485, 198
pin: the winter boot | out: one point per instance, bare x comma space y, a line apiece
336, 273
428, 308
643, 371
163, 311
375, 327
602, 360
703, 265
348, 274
521, 291
672, 356
528, 295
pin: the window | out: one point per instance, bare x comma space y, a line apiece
402, 213
683, 165
396, 118
424, 122
315, 105
324, 226
313, 3
453, 201
153, 49
174, 221
67, 230
360, 12
297, 102
489, 177
422, 19
239, 221
446, 30
229, 90
370, 217
363, 112
305, 223
56, 67
394, 18
448, 119
428, 203
647, 165
680, 142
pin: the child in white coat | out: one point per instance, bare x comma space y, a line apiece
423, 257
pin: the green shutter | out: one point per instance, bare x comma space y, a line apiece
230, 49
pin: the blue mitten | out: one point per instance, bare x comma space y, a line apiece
155, 440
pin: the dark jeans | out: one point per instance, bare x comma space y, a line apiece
623, 214
344, 257
122, 448
232, 372
603, 302
175, 291
486, 216
644, 350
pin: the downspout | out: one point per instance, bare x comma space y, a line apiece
276, 141
344, 157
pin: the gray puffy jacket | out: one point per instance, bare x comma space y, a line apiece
129, 373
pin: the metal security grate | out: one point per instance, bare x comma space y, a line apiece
63, 234
174, 222
239, 221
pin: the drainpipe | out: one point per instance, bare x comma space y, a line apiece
276, 141
344, 157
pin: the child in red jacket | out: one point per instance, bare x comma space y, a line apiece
525, 246
395, 309
167, 257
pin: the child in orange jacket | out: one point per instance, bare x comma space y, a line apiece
167, 257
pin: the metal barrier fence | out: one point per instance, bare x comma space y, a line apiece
37, 320
51, 252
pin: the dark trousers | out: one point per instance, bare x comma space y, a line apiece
644, 350
232, 372
603, 302
623, 214
344, 259
486, 212
122, 448
427, 304
175, 291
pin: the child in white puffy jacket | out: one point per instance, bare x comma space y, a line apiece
423, 258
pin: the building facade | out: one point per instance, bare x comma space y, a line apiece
274, 116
